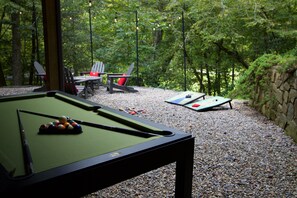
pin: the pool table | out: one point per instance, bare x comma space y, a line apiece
112, 147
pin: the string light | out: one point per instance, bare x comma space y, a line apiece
115, 17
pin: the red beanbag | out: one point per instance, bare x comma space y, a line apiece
122, 81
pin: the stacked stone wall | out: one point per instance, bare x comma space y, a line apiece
277, 99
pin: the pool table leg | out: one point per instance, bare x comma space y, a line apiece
184, 172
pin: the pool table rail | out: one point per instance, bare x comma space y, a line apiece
87, 176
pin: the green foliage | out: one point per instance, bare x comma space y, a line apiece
288, 62
223, 38
259, 73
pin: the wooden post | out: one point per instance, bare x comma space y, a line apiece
53, 44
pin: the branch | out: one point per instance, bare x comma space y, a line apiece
233, 54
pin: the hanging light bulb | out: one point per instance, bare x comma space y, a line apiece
90, 3
115, 17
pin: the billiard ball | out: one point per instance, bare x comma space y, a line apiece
61, 127
56, 122
50, 127
73, 124
69, 127
77, 127
43, 126
50, 124
63, 119
66, 124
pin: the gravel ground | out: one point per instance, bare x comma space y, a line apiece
238, 152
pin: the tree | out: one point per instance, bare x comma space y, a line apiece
222, 38
16, 62
2, 77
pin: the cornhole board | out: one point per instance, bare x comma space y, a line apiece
185, 98
202, 105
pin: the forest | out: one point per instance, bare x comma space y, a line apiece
199, 45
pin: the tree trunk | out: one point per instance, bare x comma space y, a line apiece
226, 79
16, 63
2, 78
202, 88
33, 41
233, 75
217, 88
208, 79
207, 76
196, 73
198, 77
157, 37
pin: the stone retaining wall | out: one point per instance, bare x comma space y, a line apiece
277, 99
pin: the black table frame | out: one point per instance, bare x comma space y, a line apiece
87, 176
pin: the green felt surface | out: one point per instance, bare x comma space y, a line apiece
49, 151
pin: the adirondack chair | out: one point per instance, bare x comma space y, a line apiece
69, 84
96, 70
41, 74
122, 81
